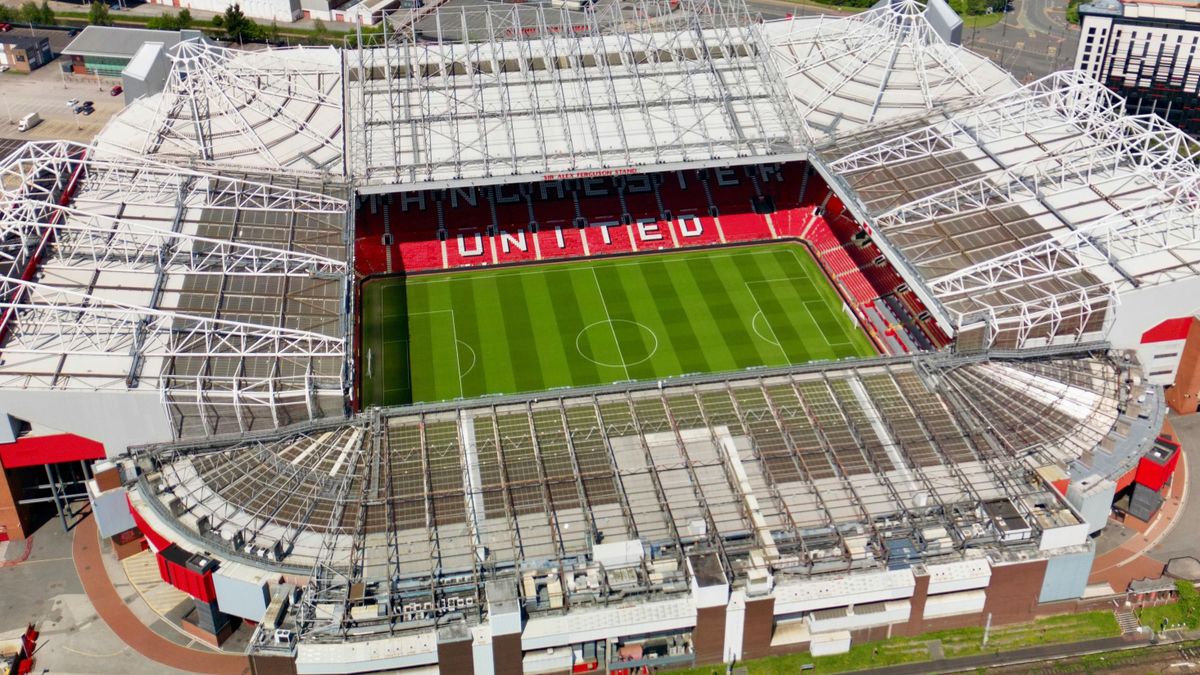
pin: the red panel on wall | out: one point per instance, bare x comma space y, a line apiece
179, 568
1171, 329
1155, 469
157, 541
53, 449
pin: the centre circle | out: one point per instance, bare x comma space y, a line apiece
631, 351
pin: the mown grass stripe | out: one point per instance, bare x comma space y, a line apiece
524, 324
467, 326
696, 317
522, 334
735, 335
646, 308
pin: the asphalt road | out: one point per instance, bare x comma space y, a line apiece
1182, 540
1033, 41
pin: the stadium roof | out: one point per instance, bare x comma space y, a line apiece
570, 98
223, 294
884, 64
798, 473
240, 111
1030, 211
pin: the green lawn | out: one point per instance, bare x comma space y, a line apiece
473, 333
955, 643
1183, 612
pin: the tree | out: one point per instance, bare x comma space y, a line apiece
30, 13
98, 14
164, 21
237, 26
185, 19
47, 14
273, 32
8, 14
319, 27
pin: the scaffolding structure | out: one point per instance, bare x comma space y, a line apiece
265, 110
503, 92
412, 512
223, 292
884, 64
1033, 212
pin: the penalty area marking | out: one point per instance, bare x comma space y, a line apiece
765, 320
754, 325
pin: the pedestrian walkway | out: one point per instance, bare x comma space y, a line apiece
142, 571
89, 565
1130, 560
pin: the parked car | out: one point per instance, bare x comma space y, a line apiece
72, 102
88, 111
77, 109
5, 27
73, 32
116, 91
88, 104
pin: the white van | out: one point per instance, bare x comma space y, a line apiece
29, 121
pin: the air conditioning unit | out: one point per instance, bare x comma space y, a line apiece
283, 636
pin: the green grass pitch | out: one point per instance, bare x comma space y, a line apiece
503, 331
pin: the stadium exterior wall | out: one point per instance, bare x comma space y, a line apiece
117, 419
1144, 308
1184, 396
1067, 575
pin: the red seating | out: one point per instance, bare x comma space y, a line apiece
745, 227
420, 254
465, 247
793, 222
560, 241
471, 227
609, 237
514, 245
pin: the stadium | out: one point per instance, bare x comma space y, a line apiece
520, 339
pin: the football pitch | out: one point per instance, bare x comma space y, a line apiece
504, 331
